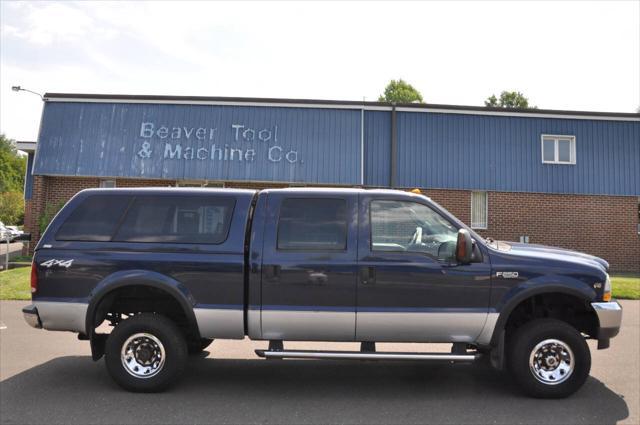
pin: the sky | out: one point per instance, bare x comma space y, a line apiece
561, 55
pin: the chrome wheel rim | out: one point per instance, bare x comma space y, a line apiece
551, 362
142, 355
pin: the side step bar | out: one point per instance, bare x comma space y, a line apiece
355, 355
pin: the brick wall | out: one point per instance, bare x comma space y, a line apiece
457, 202
605, 226
600, 225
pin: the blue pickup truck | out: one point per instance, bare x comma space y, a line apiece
169, 270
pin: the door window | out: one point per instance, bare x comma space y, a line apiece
409, 226
312, 224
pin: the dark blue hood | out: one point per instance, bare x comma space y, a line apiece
552, 253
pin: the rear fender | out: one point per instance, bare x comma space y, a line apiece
129, 278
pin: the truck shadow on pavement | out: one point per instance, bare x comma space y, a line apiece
77, 390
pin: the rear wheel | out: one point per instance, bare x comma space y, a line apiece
146, 353
549, 358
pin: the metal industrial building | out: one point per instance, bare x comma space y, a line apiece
563, 178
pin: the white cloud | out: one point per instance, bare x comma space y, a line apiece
563, 55
48, 22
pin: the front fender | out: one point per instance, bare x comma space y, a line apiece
540, 285
148, 278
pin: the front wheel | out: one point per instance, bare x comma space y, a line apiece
549, 358
146, 353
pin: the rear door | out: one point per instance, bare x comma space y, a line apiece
309, 267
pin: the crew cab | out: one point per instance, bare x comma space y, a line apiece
167, 271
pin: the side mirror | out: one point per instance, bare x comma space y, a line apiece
23, 237
464, 247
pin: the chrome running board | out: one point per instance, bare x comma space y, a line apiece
356, 355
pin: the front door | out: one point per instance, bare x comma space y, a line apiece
309, 268
410, 288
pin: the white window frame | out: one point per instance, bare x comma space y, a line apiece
108, 183
486, 210
555, 138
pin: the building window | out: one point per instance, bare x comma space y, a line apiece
479, 210
108, 183
558, 149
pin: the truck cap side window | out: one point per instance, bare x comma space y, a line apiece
95, 219
318, 224
413, 227
177, 219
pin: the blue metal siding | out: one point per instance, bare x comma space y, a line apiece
435, 150
377, 148
454, 151
105, 139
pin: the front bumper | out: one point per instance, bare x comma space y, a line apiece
610, 318
31, 316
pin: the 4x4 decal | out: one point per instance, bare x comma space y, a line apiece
53, 262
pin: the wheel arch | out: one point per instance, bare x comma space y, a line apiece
525, 292
130, 279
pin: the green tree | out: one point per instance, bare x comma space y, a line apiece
12, 166
12, 208
399, 91
509, 99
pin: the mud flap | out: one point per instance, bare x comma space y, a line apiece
497, 353
98, 342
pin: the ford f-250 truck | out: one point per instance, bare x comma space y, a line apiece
172, 269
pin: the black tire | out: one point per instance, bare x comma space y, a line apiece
198, 345
171, 339
528, 337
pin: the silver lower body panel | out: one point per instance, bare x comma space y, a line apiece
293, 325
308, 325
420, 326
220, 322
254, 323
487, 330
62, 316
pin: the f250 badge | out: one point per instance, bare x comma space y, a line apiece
507, 275
53, 262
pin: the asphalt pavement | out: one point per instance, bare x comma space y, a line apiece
49, 377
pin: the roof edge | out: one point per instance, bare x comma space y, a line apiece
333, 103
